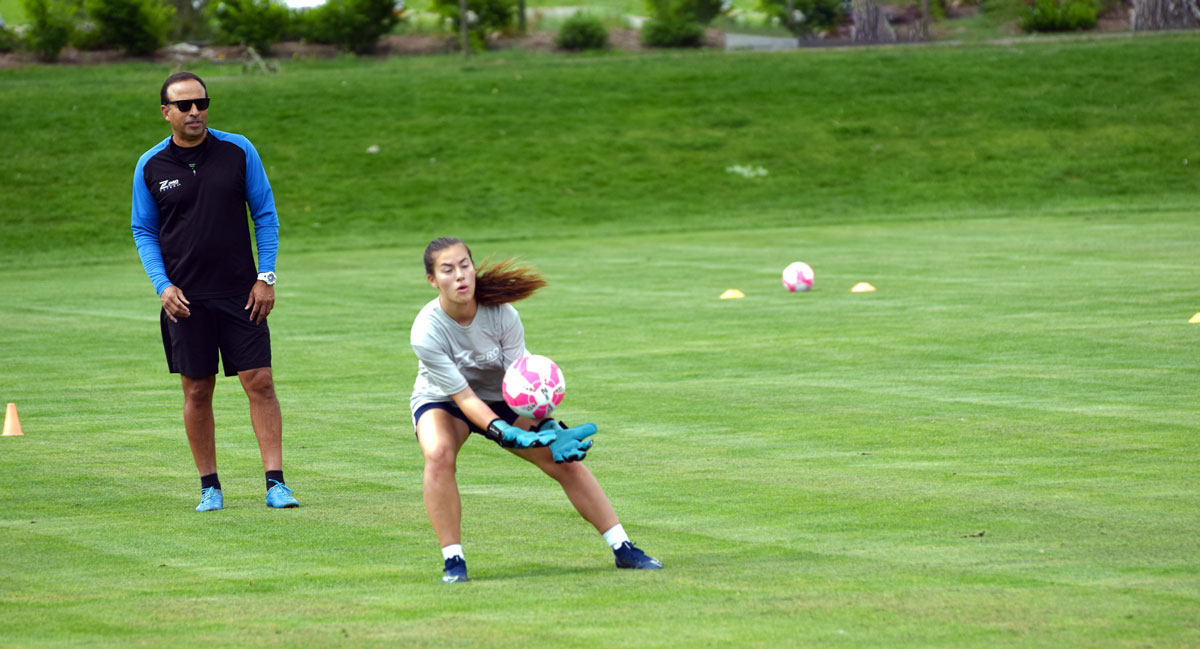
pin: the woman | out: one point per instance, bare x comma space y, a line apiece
464, 340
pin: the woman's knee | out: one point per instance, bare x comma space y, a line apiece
441, 460
563, 472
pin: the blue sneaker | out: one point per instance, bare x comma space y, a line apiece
455, 570
628, 556
210, 500
280, 496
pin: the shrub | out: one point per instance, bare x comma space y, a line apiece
812, 15
484, 16
354, 25
87, 36
699, 11
192, 21
582, 32
1054, 16
49, 27
257, 23
702, 11
8, 40
136, 26
672, 32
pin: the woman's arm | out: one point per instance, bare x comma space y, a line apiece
495, 428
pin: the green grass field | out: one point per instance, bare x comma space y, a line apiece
814, 469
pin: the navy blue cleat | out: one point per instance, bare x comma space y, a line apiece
455, 570
628, 556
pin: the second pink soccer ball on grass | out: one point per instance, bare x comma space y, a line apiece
534, 386
798, 276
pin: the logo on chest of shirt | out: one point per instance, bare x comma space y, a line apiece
488, 356
164, 185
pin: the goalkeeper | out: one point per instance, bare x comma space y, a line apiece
464, 340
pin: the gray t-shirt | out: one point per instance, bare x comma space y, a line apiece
451, 356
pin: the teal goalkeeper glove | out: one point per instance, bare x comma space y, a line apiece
569, 445
509, 436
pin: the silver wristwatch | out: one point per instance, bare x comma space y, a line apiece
267, 277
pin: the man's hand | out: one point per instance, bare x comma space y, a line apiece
262, 300
569, 445
510, 436
174, 303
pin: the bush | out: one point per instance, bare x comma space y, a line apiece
136, 26
672, 32
812, 15
702, 11
582, 32
699, 11
87, 36
1053, 16
8, 40
49, 27
354, 25
484, 16
257, 23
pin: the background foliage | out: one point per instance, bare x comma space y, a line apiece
258, 23
137, 27
582, 32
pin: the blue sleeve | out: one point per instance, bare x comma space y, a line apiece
261, 200
145, 223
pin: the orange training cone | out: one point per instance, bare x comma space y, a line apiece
12, 425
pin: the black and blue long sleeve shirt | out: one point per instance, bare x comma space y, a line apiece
189, 216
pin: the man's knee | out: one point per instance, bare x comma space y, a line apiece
198, 391
259, 384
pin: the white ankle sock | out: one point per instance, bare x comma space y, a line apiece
615, 536
453, 550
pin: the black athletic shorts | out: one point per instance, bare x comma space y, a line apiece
217, 325
499, 407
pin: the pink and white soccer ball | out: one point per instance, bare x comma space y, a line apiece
798, 276
534, 386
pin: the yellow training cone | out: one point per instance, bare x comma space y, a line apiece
732, 294
12, 425
1195, 319
862, 287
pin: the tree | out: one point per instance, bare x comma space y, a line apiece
1150, 15
870, 25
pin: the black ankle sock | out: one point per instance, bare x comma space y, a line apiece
274, 475
209, 480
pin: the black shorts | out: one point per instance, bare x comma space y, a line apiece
499, 407
220, 324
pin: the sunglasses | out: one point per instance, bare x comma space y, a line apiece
185, 105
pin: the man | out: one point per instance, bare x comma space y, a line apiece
190, 194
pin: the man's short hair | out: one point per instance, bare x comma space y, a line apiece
176, 78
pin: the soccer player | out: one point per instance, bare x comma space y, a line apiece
464, 339
190, 194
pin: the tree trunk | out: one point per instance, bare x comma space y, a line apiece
462, 28
1150, 15
870, 25
791, 19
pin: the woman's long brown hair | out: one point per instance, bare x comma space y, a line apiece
495, 283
